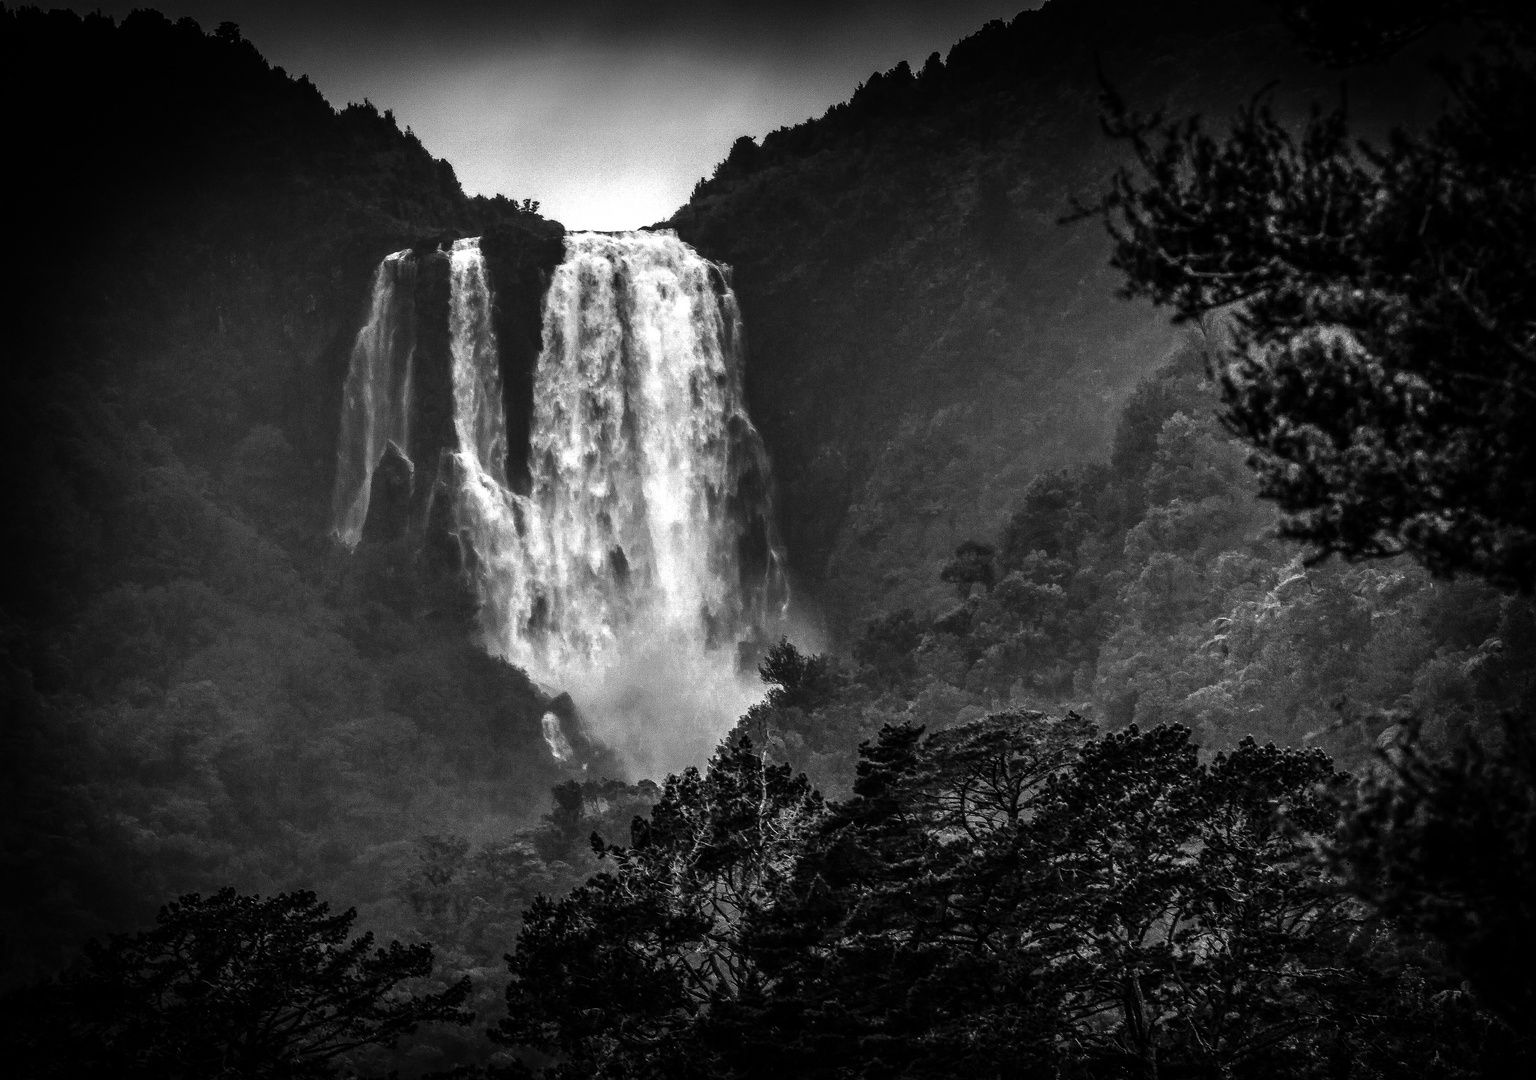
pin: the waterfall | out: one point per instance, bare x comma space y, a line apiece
479, 415
643, 553
376, 400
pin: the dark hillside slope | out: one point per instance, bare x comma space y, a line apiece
925, 336
188, 195
199, 689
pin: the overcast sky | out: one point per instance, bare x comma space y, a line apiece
605, 111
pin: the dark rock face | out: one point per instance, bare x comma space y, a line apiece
442, 550
389, 497
520, 260
432, 432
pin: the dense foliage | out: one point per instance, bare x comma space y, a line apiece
226, 985
1007, 896
199, 691
1380, 373
611, 977
1152, 589
1385, 322
1446, 844
925, 339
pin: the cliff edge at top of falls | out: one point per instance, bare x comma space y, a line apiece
924, 336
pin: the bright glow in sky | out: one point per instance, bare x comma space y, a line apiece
606, 111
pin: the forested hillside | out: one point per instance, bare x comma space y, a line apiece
201, 689
1152, 589
1103, 773
925, 336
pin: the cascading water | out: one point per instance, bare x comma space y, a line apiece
624, 573
643, 552
376, 400
479, 416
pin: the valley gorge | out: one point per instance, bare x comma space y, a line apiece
751, 579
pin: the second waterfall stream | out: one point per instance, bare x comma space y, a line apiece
641, 553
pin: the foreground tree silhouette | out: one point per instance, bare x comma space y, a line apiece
1384, 368
1003, 898
1383, 371
226, 986
613, 979
1450, 848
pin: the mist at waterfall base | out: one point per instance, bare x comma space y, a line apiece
627, 554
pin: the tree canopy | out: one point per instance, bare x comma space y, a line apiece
1383, 367
227, 985
1009, 895
614, 977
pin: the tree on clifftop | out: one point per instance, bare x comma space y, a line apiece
1384, 368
